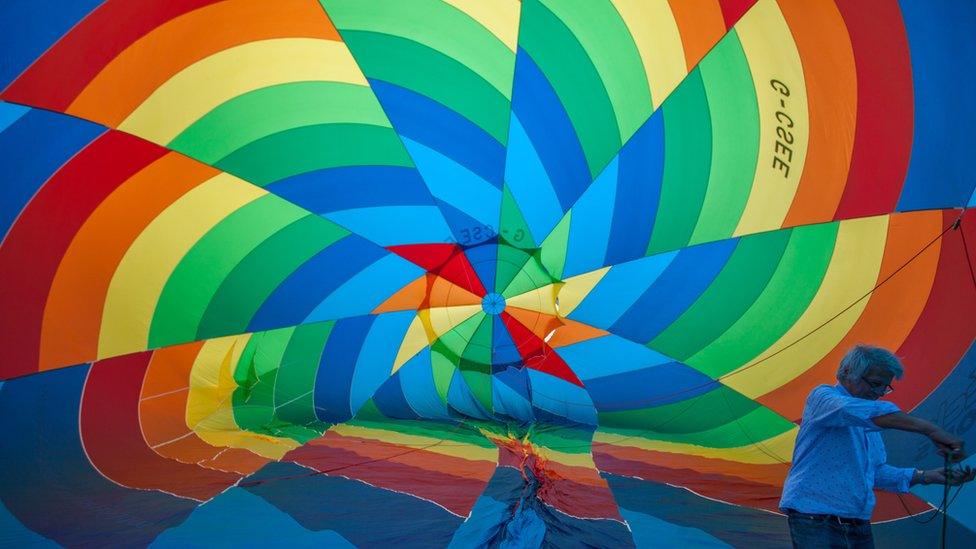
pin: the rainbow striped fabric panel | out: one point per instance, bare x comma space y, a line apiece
470, 273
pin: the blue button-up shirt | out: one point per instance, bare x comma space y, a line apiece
839, 456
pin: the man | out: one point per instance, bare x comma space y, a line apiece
840, 457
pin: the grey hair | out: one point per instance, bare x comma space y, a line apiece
861, 358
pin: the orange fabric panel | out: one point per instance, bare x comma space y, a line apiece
73, 313
831, 82
148, 63
891, 311
701, 25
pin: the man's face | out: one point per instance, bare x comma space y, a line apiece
872, 385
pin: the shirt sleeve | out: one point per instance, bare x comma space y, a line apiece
828, 408
893, 479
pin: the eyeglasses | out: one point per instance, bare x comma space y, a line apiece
877, 386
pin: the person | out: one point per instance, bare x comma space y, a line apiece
839, 457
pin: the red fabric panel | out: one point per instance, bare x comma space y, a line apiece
112, 437
885, 111
32, 250
74, 60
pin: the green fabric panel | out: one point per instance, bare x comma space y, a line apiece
687, 160
572, 74
293, 396
437, 430
255, 374
566, 440
443, 371
478, 349
735, 139
608, 43
699, 413
431, 73
261, 272
732, 292
310, 148
436, 25
777, 308
532, 276
509, 264
755, 427
715, 419
200, 273
480, 385
555, 246
453, 343
512, 227
242, 120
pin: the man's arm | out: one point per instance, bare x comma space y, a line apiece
947, 443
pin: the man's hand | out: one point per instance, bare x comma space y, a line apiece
948, 445
956, 476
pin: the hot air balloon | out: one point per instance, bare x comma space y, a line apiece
471, 273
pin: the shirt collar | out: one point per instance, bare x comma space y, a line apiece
842, 390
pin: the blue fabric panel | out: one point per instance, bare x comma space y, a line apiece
608, 355
952, 406
369, 288
376, 356
488, 517
638, 192
317, 278
455, 184
509, 401
548, 127
648, 387
691, 272
49, 485
619, 289
208, 525
460, 398
732, 524
10, 113
484, 260
395, 225
365, 515
29, 27
503, 349
530, 185
32, 149
15, 534
419, 390
561, 398
650, 531
336, 189
390, 400
590, 224
943, 56
333, 380
426, 121
465, 230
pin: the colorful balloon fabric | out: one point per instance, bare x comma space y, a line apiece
471, 273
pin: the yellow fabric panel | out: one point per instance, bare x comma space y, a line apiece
445, 319
575, 289
542, 300
201, 87
142, 273
656, 35
852, 272
451, 448
500, 17
413, 342
772, 54
209, 407
780, 446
